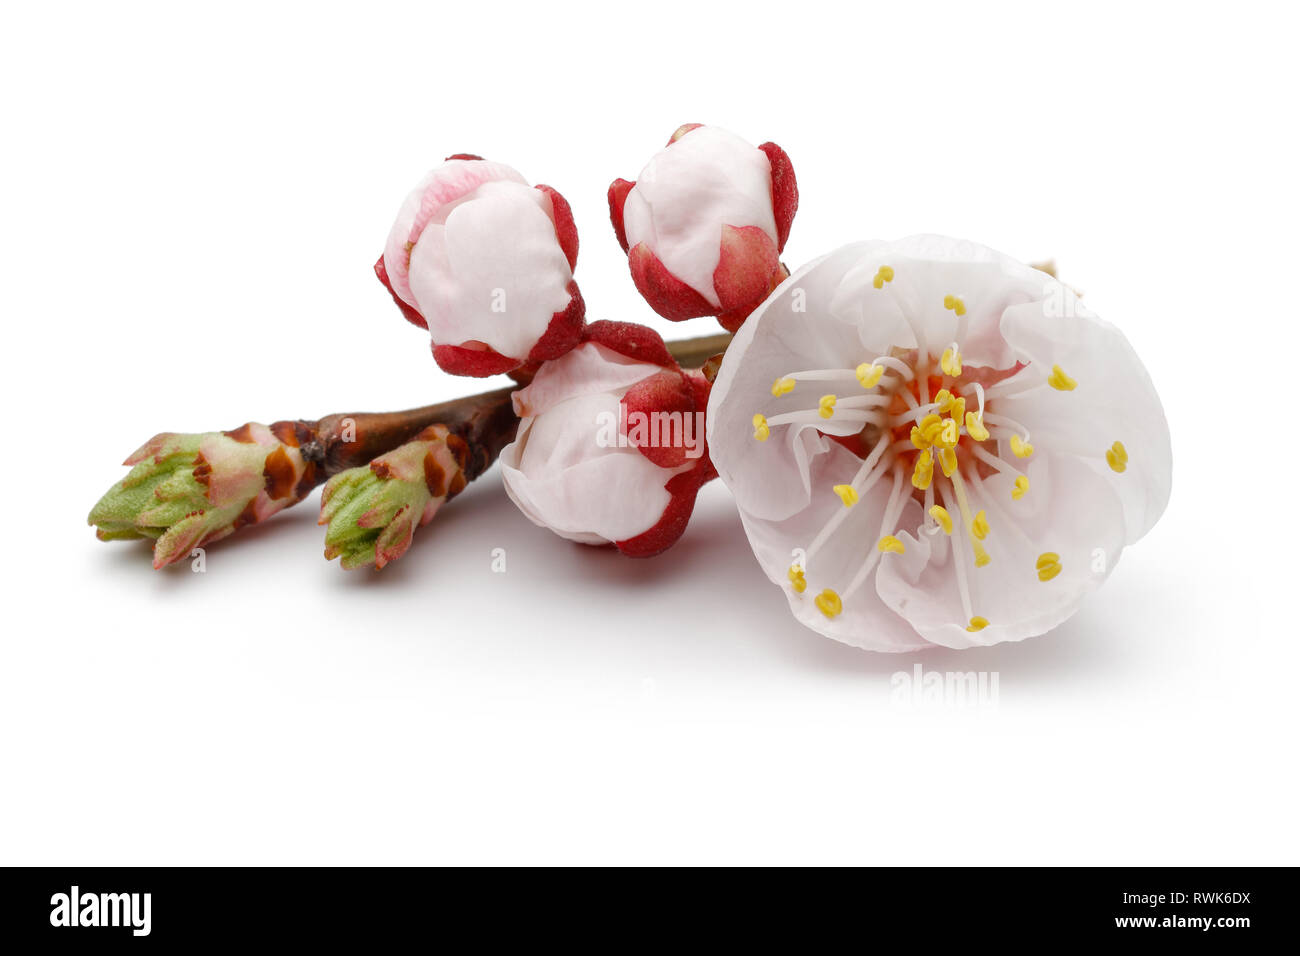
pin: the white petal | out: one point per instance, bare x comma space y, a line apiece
443, 185
589, 369
787, 333
927, 269
687, 192
493, 272
865, 621
1113, 401
561, 477
1069, 511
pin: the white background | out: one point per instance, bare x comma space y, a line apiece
193, 197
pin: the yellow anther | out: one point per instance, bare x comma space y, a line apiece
883, 274
923, 472
890, 545
783, 386
761, 431
797, 580
1117, 457
1021, 448
826, 406
949, 434
955, 304
1019, 488
869, 375
980, 526
975, 426
947, 461
942, 518
931, 426
977, 624
918, 439
950, 362
943, 398
957, 409
981, 556
1060, 381
828, 602
848, 494
1048, 565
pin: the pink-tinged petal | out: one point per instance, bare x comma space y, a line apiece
682, 131
565, 330
667, 295
565, 230
637, 342
447, 184
476, 362
618, 191
664, 533
785, 191
746, 266
493, 272
667, 393
410, 312
462, 156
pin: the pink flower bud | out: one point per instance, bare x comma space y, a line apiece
610, 448
705, 223
485, 263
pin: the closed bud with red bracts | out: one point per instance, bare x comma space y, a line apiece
610, 448
485, 263
705, 222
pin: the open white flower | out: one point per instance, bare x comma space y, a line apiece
931, 443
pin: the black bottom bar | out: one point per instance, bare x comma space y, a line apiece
339, 906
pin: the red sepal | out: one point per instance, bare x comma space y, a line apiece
462, 156
412, 316
564, 330
665, 392
785, 191
476, 363
617, 195
733, 320
637, 342
746, 262
565, 231
668, 295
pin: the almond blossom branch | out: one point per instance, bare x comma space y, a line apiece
186, 491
